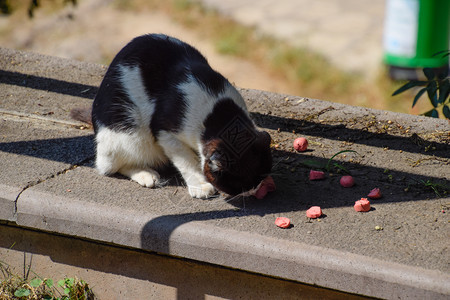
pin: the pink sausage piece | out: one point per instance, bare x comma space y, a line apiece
301, 144
347, 181
375, 194
283, 222
314, 212
316, 175
362, 205
267, 185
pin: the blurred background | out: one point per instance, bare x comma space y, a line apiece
343, 51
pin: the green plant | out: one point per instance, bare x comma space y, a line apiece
335, 164
13, 286
329, 164
437, 87
438, 188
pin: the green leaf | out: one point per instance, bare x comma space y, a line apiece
67, 291
35, 282
444, 91
339, 166
432, 113
22, 292
442, 74
340, 152
429, 73
313, 164
70, 282
419, 94
446, 111
49, 282
408, 85
61, 283
431, 90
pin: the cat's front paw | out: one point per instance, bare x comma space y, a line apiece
147, 178
202, 190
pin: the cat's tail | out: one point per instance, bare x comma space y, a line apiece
82, 114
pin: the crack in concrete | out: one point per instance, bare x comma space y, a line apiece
40, 180
45, 119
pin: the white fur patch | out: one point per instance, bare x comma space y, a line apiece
133, 86
188, 163
117, 150
148, 178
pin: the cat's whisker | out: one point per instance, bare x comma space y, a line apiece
233, 198
163, 183
280, 160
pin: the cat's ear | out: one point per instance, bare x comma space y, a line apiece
215, 163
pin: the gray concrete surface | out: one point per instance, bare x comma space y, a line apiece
347, 32
50, 185
123, 273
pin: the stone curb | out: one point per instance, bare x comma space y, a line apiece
314, 265
8, 197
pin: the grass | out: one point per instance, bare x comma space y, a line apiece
14, 286
330, 165
439, 189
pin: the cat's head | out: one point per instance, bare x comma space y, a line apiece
235, 166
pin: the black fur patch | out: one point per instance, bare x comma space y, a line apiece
108, 107
224, 112
237, 155
211, 80
165, 62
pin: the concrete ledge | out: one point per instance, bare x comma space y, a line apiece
48, 184
132, 273
8, 196
230, 248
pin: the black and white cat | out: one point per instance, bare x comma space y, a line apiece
160, 101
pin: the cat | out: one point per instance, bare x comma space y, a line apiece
160, 101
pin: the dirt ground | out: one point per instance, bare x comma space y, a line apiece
95, 30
